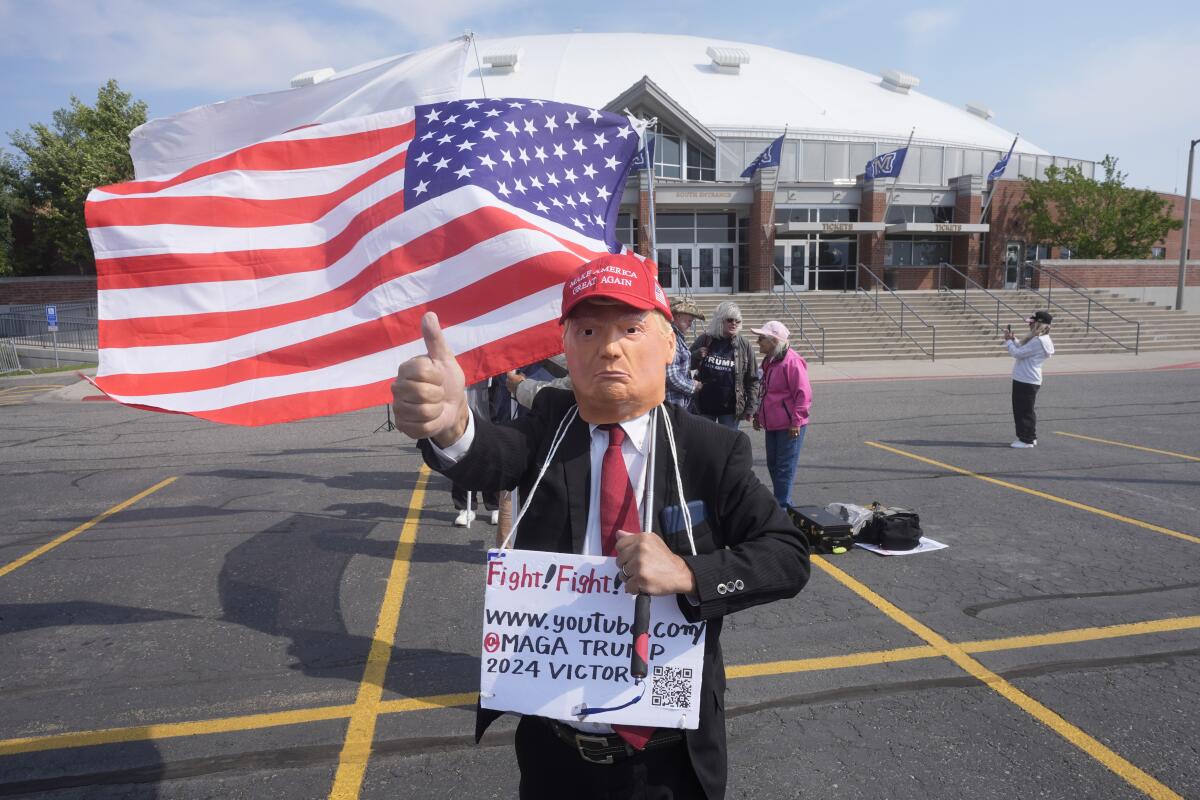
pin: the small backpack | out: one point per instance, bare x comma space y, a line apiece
892, 528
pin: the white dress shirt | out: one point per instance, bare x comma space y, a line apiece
634, 450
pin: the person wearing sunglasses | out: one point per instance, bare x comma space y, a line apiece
726, 368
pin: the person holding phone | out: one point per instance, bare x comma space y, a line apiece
1030, 354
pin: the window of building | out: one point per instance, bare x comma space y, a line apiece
904, 251
812, 161
668, 153
716, 228
731, 158
899, 214
860, 155
836, 214
1065, 252
701, 166
793, 214
1037, 252
1158, 252
627, 230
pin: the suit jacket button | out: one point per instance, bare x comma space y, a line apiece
722, 588
739, 585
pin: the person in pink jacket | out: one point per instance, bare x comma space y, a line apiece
783, 409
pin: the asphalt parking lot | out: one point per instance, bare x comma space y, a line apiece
196, 611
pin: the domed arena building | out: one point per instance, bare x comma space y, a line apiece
718, 104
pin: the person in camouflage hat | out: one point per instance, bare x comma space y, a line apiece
680, 383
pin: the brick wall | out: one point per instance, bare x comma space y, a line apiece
762, 239
1120, 273
19, 291
1007, 225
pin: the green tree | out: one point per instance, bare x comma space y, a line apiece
1095, 218
44, 184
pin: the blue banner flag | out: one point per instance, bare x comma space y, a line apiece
767, 158
886, 165
639, 158
1001, 165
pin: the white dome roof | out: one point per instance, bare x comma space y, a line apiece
775, 88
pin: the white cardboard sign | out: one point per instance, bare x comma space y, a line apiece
557, 643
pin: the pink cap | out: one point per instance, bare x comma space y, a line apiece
622, 277
774, 329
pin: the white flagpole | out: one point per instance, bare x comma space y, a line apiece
769, 227
887, 206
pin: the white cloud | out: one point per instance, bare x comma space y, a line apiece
223, 48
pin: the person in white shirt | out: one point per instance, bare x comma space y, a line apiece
1030, 354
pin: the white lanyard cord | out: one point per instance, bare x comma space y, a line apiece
687, 514
559, 435
648, 502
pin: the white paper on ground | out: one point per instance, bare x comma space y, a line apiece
556, 638
926, 545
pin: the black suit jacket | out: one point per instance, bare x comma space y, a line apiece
748, 551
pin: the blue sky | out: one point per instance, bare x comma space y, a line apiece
1079, 79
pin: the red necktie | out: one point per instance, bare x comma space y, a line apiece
618, 511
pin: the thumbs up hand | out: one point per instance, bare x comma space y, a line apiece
429, 395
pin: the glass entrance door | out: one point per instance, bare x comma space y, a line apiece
791, 265
696, 268
675, 268
714, 268
1012, 264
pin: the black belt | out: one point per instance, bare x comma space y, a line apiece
607, 748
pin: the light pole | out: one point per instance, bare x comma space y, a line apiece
1187, 218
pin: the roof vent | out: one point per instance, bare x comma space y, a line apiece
899, 81
980, 110
505, 61
728, 59
312, 76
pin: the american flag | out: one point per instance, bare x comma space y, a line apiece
287, 279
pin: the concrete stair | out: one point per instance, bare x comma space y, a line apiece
856, 330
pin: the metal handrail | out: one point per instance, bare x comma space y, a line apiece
969, 281
1087, 323
804, 311
932, 352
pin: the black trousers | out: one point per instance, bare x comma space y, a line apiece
1025, 418
459, 495
551, 770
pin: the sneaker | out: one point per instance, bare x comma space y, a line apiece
496, 517
1022, 445
464, 518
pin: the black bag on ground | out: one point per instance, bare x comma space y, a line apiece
892, 528
825, 532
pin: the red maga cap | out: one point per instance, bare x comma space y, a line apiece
622, 277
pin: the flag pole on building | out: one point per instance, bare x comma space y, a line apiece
995, 175
887, 206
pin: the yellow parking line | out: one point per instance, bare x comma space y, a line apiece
30, 556
1130, 446
356, 749
170, 730
248, 722
1093, 747
1187, 537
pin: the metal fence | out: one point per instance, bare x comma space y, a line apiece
10, 361
29, 329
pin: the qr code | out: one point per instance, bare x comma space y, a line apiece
671, 687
